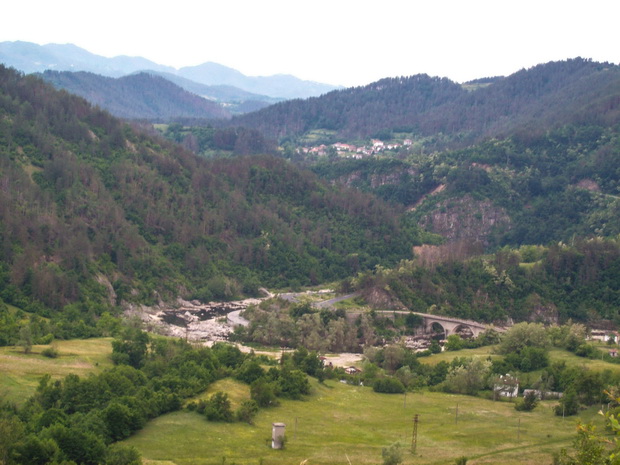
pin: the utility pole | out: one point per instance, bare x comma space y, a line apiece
414, 437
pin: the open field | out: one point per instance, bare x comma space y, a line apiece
448, 356
21, 372
341, 424
555, 355
236, 390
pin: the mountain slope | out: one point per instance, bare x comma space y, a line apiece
547, 95
137, 96
93, 211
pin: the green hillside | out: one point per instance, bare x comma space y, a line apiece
95, 213
340, 422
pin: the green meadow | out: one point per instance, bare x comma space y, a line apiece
343, 424
21, 372
336, 424
555, 355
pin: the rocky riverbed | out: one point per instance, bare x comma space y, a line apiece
193, 320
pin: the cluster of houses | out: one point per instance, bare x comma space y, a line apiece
508, 386
351, 151
610, 337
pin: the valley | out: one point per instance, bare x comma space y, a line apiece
135, 324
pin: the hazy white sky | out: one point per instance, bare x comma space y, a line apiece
333, 41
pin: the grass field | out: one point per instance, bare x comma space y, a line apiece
237, 391
555, 355
337, 424
342, 424
21, 372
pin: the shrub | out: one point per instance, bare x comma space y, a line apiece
392, 455
217, 408
388, 386
527, 403
50, 352
247, 411
264, 393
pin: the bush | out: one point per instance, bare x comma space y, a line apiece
247, 411
50, 352
587, 351
569, 404
527, 403
388, 386
118, 454
217, 408
264, 393
392, 455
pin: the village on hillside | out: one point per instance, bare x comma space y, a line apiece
341, 149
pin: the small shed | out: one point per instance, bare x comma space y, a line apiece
277, 435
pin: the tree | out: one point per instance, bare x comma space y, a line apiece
249, 371
11, 432
36, 451
121, 420
131, 347
77, 445
217, 407
264, 393
119, 454
569, 403
467, 378
25, 339
293, 383
454, 342
393, 356
247, 411
388, 386
524, 335
527, 403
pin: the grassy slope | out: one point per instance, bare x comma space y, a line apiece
21, 372
336, 422
341, 423
555, 355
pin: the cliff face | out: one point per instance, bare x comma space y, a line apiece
468, 219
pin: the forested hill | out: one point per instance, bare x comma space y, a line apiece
578, 281
546, 95
137, 96
94, 212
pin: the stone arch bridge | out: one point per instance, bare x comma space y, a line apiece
452, 325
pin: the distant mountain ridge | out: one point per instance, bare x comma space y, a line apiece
33, 58
546, 95
137, 96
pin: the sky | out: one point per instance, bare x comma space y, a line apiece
338, 42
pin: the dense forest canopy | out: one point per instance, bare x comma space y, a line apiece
137, 96
95, 211
524, 189
551, 285
546, 95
